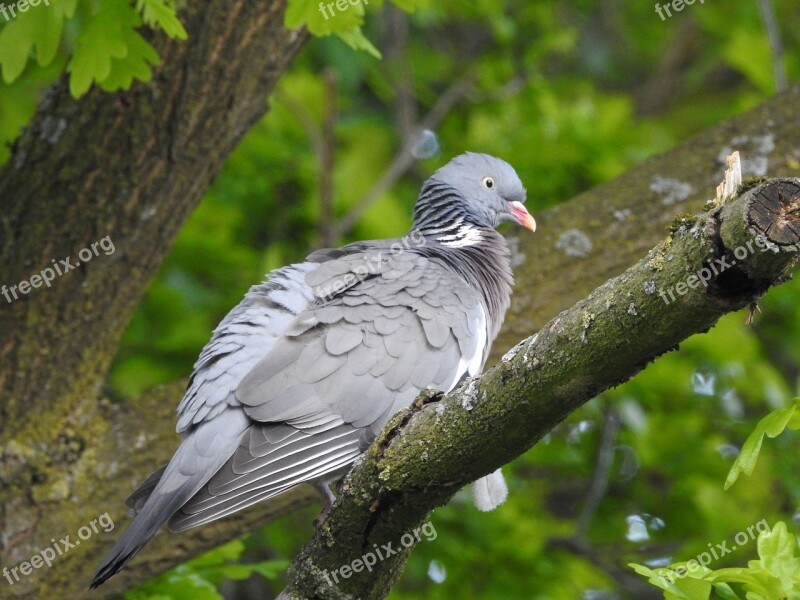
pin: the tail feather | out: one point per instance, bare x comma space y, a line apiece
200, 455
490, 491
158, 509
137, 499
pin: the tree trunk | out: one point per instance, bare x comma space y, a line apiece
131, 166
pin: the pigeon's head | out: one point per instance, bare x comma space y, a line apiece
484, 189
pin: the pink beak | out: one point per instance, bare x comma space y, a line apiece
522, 216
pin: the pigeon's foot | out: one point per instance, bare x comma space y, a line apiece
328, 498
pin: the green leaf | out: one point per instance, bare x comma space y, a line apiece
661, 580
16, 40
181, 584
234, 572
218, 556
198, 577
342, 17
776, 550
794, 422
105, 37
758, 583
324, 18
772, 425
356, 39
38, 28
157, 13
724, 591
691, 588
271, 569
134, 65
748, 51
411, 5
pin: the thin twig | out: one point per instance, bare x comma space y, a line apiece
304, 116
602, 470
398, 64
323, 142
776, 44
326, 162
404, 159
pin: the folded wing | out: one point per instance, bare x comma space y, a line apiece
383, 327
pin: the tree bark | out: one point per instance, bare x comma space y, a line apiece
132, 166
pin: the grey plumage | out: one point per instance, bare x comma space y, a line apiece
301, 376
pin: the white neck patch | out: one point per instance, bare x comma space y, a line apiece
467, 235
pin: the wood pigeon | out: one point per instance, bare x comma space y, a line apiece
302, 375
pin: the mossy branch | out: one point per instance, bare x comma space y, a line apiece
718, 262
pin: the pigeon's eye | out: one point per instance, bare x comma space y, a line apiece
488, 183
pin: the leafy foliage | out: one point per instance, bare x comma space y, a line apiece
158, 13
775, 575
772, 426
198, 578
102, 44
38, 30
344, 18
109, 51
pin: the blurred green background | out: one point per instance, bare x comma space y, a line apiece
572, 94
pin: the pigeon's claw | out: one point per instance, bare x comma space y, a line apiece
328, 499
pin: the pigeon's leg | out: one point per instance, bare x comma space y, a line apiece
324, 488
